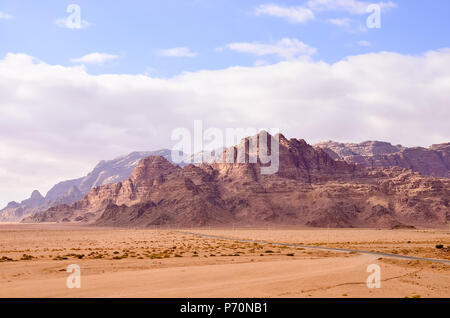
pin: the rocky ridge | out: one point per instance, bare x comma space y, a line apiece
433, 161
310, 188
70, 191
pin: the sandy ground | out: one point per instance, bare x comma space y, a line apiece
165, 263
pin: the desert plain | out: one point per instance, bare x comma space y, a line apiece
163, 262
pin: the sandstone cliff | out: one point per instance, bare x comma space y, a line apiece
433, 161
70, 191
310, 188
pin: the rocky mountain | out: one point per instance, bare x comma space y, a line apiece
70, 191
105, 172
310, 188
432, 161
15, 211
35, 200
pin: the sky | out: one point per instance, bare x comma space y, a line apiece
125, 74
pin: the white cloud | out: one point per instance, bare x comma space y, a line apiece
177, 52
292, 14
5, 16
95, 58
285, 48
365, 43
345, 22
260, 63
349, 6
349, 25
57, 122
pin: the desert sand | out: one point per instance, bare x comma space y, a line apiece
166, 263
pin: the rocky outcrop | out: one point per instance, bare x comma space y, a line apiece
72, 195
14, 211
105, 172
309, 188
433, 161
71, 191
35, 200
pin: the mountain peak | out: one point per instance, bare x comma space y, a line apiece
36, 195
12, 205
151, 168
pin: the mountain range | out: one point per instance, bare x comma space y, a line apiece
70, 191
314, 186
433, 161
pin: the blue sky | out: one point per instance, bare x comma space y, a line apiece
137, 30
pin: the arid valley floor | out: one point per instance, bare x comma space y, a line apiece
169, 263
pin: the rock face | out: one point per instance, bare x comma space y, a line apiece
433, 161
310, 188
70, 191
105, 172
14, 211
